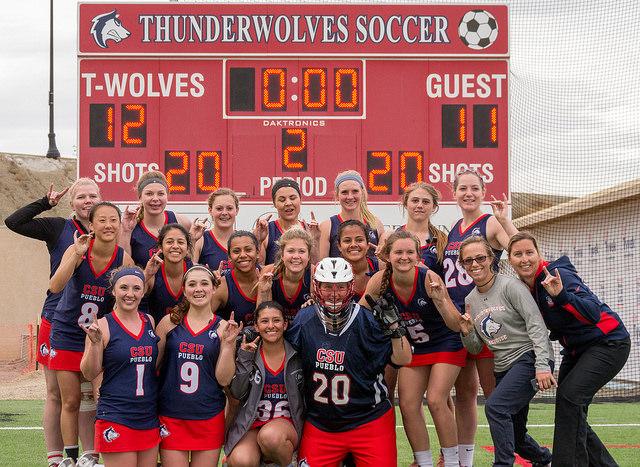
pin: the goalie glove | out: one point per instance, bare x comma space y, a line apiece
386, 313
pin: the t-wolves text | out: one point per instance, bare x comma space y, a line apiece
329, 359
148, 84
295, 29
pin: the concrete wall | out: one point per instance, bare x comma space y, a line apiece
24, 275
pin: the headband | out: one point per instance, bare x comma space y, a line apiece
135, 271
149, 181
284, 183
354, 177
214, 279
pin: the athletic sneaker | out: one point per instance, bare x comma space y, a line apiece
87, 460
68, 462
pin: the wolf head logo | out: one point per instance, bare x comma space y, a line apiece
164, 432
110, 434
44, 350
107, 27
490, 327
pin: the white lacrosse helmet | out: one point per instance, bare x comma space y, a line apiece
334, 307
333, 271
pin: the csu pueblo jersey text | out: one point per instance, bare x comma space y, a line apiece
238, 95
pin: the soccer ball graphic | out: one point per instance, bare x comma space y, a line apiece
478, 29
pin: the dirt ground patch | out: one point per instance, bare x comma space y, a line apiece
16, 384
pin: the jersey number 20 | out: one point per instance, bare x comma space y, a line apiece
335, 390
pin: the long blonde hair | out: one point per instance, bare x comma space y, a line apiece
292, 234
438, 235
365, 213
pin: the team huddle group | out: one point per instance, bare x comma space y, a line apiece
179, 338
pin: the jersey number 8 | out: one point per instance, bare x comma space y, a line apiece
88, 314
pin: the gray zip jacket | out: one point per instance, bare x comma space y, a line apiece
247, 385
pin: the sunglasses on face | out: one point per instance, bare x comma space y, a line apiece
467, 262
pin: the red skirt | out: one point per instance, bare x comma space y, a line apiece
113, 437
192, 435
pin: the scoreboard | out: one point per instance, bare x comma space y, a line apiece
239, 95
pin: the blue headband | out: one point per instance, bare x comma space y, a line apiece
354, 177
133, 271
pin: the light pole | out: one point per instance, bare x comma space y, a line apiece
52, 152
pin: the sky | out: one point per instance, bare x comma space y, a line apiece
573, 86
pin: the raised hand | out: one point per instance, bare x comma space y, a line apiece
54, 196
261, 230
81, 243
94, 332
153, 265
378, 249
435, 287
231, 331
466, 324
499, 207
130, 218
313, 227
249, 346
265, 280
197, 228
551, 283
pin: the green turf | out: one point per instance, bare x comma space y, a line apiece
26, 447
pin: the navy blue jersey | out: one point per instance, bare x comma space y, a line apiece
213, 253
429, 253
458, 282
344, 373
374, 266
292, 304
275, 232
274, 402
189, 389
336, 220
85, 297
65, 240
144, 243
162, 298
242, 305
129, 390
426, 330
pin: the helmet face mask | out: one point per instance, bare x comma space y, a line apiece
332, 291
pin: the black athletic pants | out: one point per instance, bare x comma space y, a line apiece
574, 442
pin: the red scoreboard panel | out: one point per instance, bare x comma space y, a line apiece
238, 95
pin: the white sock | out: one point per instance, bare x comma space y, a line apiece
54, 457
423, 458
465, 453
450, 456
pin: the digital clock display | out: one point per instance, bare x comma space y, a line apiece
209, 115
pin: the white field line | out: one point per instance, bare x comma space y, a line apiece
547, 425
551, 425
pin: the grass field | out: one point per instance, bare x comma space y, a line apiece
21, 439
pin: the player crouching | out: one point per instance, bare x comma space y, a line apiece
344, 349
